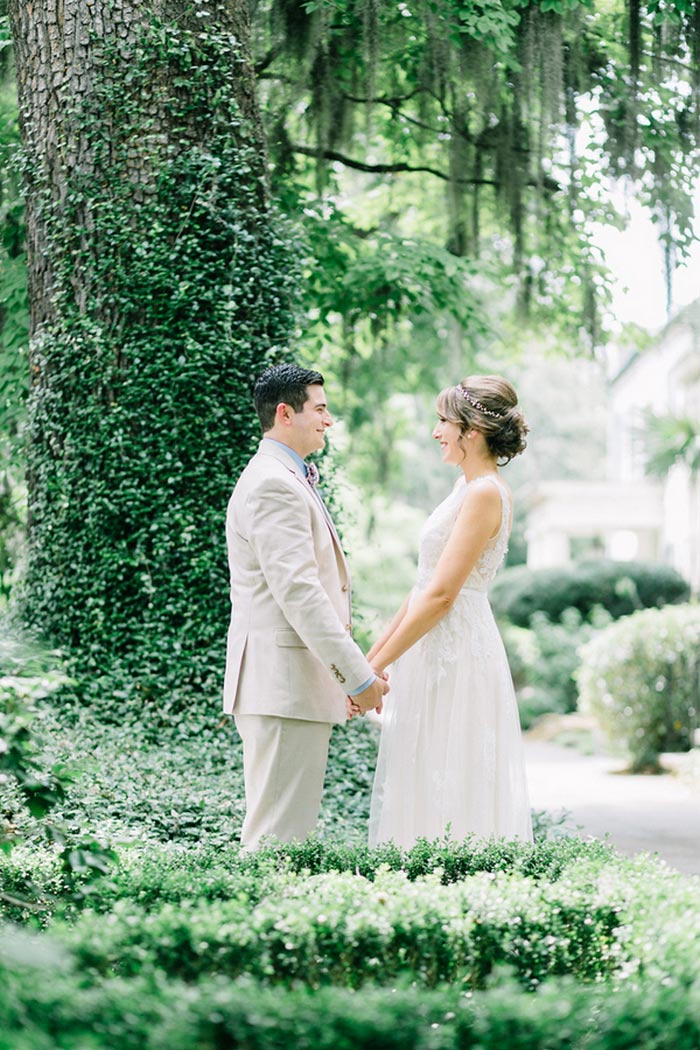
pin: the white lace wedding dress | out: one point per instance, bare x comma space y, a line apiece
451, 756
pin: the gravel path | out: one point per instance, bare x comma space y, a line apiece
655, 814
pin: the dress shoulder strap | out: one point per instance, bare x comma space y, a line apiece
505, 499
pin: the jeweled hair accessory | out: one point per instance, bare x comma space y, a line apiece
475, 403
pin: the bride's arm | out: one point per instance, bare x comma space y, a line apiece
386, 635
478, 520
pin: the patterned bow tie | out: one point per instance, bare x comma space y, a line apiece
312, 474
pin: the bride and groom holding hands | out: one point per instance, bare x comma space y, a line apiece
450, 758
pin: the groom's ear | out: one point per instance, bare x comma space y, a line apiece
284, 413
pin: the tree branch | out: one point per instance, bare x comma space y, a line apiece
268, 58
358, 165
390, 169
394, 105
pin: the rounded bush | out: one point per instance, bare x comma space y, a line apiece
620, 587
640, 678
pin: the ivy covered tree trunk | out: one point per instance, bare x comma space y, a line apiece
160, 285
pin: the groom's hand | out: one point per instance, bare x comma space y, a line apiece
371, 697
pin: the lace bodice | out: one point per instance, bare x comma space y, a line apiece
438, 527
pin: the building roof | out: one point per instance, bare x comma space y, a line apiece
688, 315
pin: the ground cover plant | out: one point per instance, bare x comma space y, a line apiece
186, 941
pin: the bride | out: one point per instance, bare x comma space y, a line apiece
451, 758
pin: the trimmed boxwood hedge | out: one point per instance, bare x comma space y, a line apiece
627, 930
42, 1008
342, 929
621, 587
160, 874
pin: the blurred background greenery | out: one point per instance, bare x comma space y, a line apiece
444, 176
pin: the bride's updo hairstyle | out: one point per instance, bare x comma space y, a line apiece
487, 404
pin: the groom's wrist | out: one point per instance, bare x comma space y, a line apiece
361, 688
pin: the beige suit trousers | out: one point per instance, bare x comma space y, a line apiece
284, 763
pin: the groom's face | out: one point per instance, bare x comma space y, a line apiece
310, 425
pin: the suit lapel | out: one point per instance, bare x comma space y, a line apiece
271, 448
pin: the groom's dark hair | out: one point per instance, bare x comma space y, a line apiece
282, 383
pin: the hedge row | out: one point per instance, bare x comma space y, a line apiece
167, 972
160, 874
601, 917
43, 1007
620, 587
346, 930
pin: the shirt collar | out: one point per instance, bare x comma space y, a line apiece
290, 451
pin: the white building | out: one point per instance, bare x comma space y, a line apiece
632, 515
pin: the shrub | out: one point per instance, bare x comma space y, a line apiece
640, 678
42, 1008
24, 780
633, 920
546, 657
344, 929
620, 587
162, 873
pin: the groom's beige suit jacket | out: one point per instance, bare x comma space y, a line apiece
289, 651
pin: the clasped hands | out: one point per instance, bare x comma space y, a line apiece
370, 698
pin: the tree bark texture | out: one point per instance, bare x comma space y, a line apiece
159, 281
58, 44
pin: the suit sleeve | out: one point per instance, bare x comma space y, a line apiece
280, 534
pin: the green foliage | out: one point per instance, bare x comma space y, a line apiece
32, 789
156, 874
341, 929
380, 305
479, 98
20, 765
183, 782
352, 758
608, 943
44, 1008
544, 659
140, 410
14, 330
641, 679
14, 307
672, 440
618, 587
396, 935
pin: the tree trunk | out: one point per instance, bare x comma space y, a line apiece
59, 47
159, 280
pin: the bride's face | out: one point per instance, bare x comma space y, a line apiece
449, 434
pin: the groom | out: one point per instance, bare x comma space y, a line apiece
290, 658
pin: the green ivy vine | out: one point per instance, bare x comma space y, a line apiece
171, 294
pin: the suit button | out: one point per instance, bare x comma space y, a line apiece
338, 675
344, 587
348, 627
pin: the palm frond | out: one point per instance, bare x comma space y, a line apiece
672, 440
